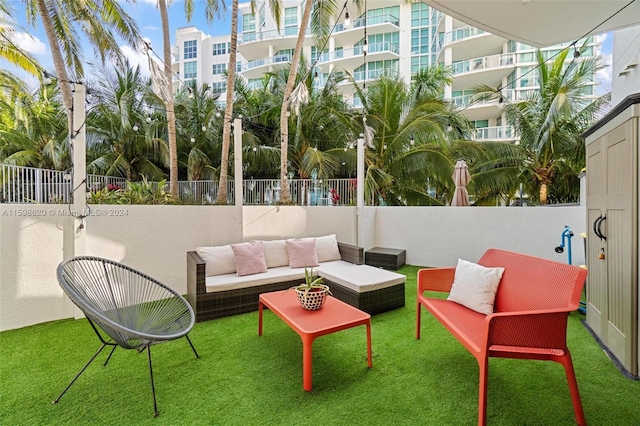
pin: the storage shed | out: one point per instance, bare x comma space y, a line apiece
613, 185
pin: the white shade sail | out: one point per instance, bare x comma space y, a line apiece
542, 23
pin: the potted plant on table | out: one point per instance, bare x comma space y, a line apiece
312, 294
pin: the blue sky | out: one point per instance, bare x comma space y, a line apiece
148, 18
145, 14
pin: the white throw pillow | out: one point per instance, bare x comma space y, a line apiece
220, 260
327, 248
475, 286
275, 253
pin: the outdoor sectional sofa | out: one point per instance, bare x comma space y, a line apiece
214, 288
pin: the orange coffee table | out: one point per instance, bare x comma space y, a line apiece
334, 316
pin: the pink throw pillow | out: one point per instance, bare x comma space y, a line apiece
249, 258
302, 253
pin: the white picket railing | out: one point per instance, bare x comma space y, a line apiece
32, 185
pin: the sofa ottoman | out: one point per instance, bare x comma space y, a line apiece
372, 290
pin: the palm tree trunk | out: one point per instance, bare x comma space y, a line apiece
58, 63
285, 196
171, 116
228, 110
543, 193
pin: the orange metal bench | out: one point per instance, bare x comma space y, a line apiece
533, 301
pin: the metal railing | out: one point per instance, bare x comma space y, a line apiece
460, 34
270, 34
494, 133
369, 22
385, 46
278, 59
32, 185
479, 64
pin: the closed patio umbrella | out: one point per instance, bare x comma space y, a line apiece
461, 178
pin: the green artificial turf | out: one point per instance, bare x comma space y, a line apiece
243, 379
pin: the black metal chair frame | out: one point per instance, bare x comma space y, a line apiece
111, 273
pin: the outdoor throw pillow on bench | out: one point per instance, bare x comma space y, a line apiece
475, 286
302, 253
275, 253
249, 258
219, 260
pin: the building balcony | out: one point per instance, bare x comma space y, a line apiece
477, 108
253, 45
352, 58
257, 67
468, 42
489, 70
494, 134
348, 36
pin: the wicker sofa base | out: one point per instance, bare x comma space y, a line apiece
371, 302
231, 302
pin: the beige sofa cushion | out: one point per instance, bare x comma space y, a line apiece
234, 282
275, 253
360, 278
219, 260
327, 248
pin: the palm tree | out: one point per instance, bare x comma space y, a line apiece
8, 50
123, 134
33, 127
549, 121
260, 108
275, 7
323, 12
412, 150
198, 129
62, 21
323, 127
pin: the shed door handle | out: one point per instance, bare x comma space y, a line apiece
600, 234
595, 226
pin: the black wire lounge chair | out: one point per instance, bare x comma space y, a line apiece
133, 309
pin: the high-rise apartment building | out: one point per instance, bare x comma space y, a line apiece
398, 38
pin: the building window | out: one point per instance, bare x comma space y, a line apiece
219, 86
248, 22
238, 66
418, 63
190, 49
315, 54
291, 21
419, 15
283, 55
219, 68
420, 41
383, 14
219, 49
190, 70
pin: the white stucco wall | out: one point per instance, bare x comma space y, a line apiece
438, 236
273, 222
155, 239
626, 48
31, 247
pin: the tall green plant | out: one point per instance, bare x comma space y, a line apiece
33, 127
99, 21
411, 148
548, 122
124, 137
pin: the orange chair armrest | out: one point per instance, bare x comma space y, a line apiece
435, 279
545, 328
